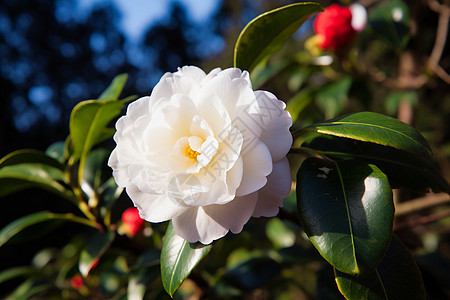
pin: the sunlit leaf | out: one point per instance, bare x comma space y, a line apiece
114, 90
27, 175
87, 126
397, 277
346, 209
94, 249
88, 121
391, 21
18, 225
178, 259
29, 156
404, 169
268, 32
375, 128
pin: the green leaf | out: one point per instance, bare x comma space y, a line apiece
268, 32
404, 169
87, 126
395, 98
391, 21
88, 122
18, 225
178, 259
279, 233
29, 289
101, 189
347, 211
262, 74
250, 275
142, 273
29, 156
375, 128
94, 249
332, 96
12, 273
57, 151
300, 101
27, 175
114, 90
397, 277
96, 171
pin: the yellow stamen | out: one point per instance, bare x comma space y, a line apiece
191, 153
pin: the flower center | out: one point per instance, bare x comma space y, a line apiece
191, 153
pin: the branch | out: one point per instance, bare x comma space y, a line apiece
418, 204
441, 37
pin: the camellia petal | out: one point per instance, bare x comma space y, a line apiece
150, 208
275, 120
209, 223
257, 165
205, 151
277, 188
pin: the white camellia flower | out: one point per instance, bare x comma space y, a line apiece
205, 151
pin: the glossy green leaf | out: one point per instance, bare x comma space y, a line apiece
27, 175
87, 126
114, 90
331, 97
397, 277
391, 21
346, 209
88, 121
29, 156
404, 169
94, 249
18, 225
178, 259
375, 128
268, 32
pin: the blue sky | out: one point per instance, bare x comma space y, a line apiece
137, 15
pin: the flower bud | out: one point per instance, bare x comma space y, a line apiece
132, 221
77, 281
337, 26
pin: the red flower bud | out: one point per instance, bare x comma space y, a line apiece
132, 221
77, 281
334, 26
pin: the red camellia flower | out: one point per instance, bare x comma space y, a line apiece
133, 222
335, 28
